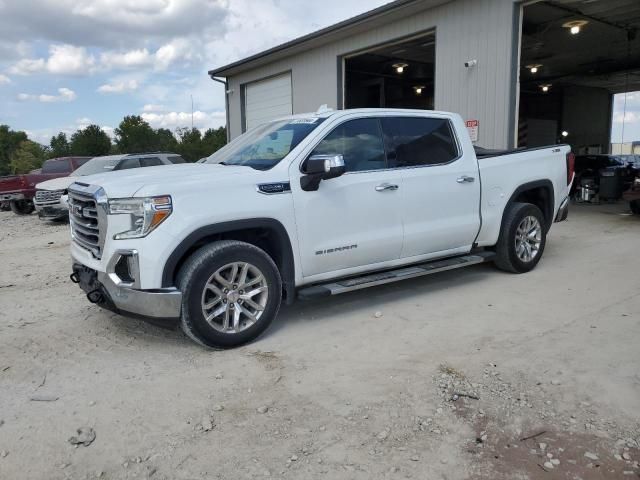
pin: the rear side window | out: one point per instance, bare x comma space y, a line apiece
150, 162
128, 163
56, 166
359, 142
176, 159
415, 141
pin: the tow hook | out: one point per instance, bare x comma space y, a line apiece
74, 277
95, 296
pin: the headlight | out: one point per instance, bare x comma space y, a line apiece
146, 214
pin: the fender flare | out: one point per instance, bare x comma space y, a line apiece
547, 185
285, 264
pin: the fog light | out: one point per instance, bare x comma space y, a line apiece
123, 269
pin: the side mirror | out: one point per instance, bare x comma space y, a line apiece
321, 167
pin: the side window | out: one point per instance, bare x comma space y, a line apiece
415, 141
56, 166
176, 159
359, 141
128, 163
78, 162
150, 162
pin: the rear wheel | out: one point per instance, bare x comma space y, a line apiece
522, 239
22, 207
231, 293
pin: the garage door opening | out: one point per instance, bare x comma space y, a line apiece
266, 99
399, 75
575, 56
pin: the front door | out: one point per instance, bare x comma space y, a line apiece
440, 193
354, 220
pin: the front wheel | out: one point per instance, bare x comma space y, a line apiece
522, 239
231, 293
22, 207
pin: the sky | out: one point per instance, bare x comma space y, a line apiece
65, 64
626, 120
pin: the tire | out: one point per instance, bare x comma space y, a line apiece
203, 291
515, 252
22, 207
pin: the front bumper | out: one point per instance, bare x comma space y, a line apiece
51, 211
563, 211
108, 291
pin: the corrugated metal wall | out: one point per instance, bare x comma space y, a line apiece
465, 30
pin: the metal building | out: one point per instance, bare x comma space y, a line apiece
521, 73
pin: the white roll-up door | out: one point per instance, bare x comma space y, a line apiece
267, 99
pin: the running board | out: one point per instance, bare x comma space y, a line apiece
389, 276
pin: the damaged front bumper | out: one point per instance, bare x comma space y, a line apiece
111, 291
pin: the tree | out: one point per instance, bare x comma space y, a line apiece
9, 143
165, 141
190, 146
59, 146
213, 140
28, 156
134, 135
91, 141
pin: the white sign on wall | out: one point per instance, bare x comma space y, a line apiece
473, 126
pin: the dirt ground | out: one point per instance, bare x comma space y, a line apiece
443, 377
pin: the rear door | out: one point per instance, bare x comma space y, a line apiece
355, 220
440, 194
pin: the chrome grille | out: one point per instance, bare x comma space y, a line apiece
84, 220
48, 196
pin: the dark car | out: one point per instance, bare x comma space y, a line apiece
590, 167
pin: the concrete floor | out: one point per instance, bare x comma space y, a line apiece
349, 395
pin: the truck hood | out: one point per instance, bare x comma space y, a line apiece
61, 183
162, 180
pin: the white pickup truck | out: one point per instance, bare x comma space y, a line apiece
306, 206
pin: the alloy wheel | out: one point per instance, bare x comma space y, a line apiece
234, 297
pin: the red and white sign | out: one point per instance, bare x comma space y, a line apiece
473, 126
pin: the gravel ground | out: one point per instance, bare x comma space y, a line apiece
467, 374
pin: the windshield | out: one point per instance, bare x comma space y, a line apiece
265, 146
97, 165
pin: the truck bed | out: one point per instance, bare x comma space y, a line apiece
504, 173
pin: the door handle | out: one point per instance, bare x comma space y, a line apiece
386, 186
465, 179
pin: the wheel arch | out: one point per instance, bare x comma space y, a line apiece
266, 233
539, 193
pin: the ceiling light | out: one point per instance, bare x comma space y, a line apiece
565, 133
400, 67
545, 88
575, 26
534, 67
418, 89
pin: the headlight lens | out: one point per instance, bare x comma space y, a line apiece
146, 214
